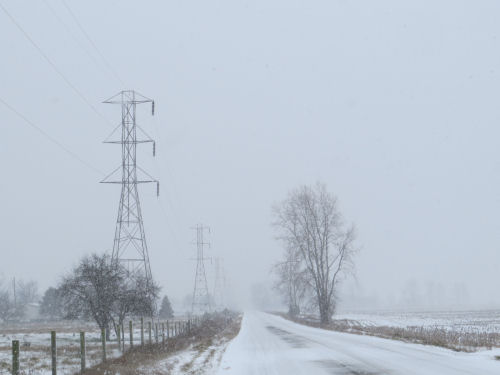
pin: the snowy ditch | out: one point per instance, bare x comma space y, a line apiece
457, 330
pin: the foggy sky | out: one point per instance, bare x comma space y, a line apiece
393, 104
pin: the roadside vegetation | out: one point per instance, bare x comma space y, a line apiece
201, 342
463, 340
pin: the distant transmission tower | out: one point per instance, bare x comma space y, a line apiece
201, 297
219, 285
129, 247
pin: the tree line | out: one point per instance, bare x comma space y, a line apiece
98, 289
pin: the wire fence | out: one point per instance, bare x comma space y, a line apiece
72, 352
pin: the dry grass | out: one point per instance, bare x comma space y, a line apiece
200, 339
458, 340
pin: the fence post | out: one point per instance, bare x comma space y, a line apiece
82, 351
119, 337
163, 334
123, 336
103, 341
156, 332
53, 352
15, 357
131, 334
142, 331
168, 330
149, 332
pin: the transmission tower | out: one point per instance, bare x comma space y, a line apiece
220, 284
130, 247
201, 297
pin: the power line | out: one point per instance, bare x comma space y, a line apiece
49, 137
56, 69
75, 39
92, 42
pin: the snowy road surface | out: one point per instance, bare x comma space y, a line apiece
268, 344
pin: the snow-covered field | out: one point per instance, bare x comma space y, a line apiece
474, 320
34, 339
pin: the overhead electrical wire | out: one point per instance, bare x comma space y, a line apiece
54, 66
77, 91
87, 36
49, 137
78, 41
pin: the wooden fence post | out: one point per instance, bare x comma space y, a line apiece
15, 357
82, 351
168, 330
123, 336
156, 332
149, 332
163, 334
119, 337
142, 331
103, 341
131, 333
53, 352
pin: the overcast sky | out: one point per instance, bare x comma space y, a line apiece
393, 104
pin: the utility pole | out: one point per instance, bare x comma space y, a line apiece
201, 297
129, 247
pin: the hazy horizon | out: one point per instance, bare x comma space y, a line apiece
393, 105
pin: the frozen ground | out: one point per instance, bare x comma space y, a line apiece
197, 360
269, 344
34, 341
478, 320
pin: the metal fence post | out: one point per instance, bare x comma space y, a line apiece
82, 351
53, 352
15, 357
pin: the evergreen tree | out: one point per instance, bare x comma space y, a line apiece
51, 306
166, 311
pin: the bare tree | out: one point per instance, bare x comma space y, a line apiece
9, 309
309, 222
91, 289
291, 280
27, 292
136, 296
100, 289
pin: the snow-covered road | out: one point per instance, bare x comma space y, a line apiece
268, 344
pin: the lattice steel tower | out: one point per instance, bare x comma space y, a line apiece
130, 247
201, 297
